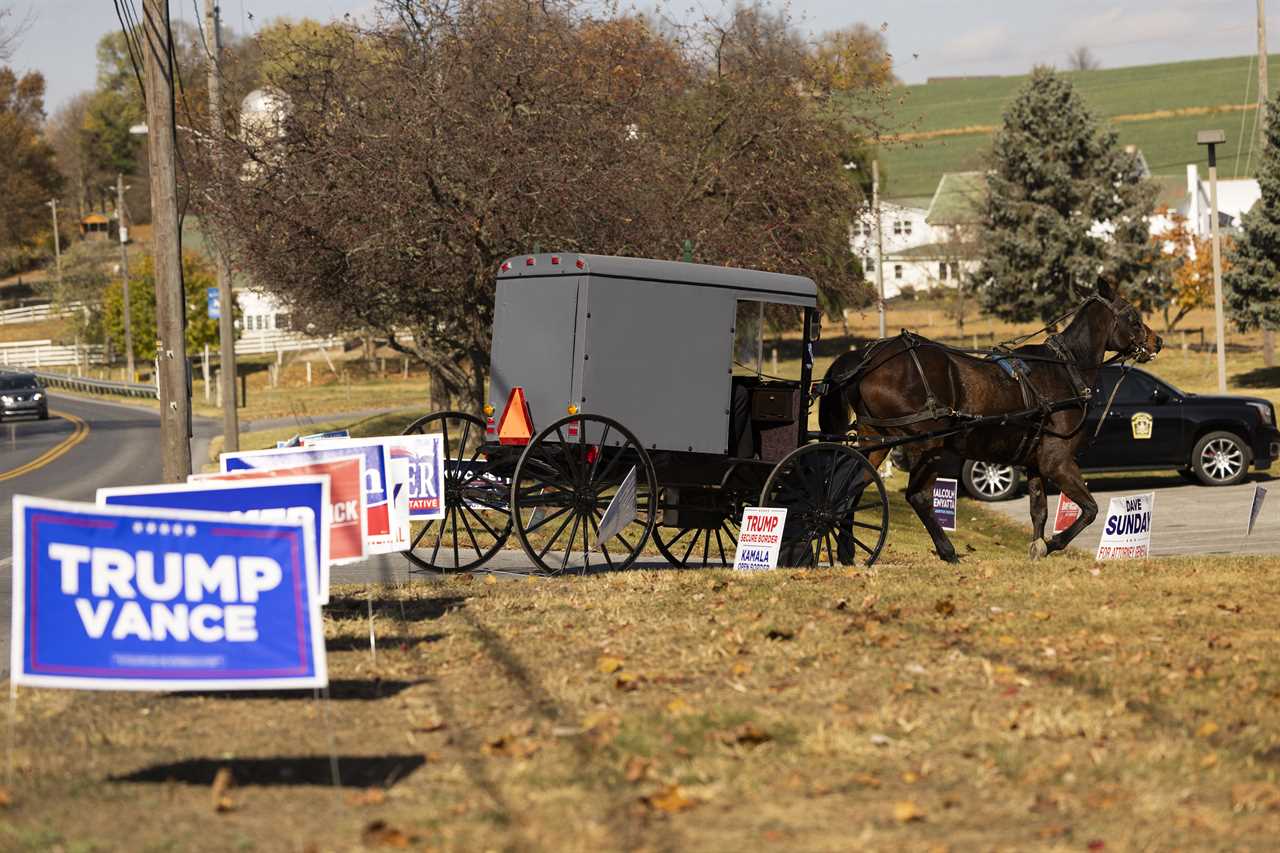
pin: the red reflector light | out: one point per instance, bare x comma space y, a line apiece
506, 266
489, 428
555, 260
581, 264
573, 429
593, 453
528, 262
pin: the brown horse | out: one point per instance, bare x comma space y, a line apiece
910, 385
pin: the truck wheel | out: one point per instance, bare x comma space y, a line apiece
1220, 459
990, 481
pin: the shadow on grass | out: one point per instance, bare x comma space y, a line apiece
342, 689
361, 643
354, 771
1259, 377
412, 610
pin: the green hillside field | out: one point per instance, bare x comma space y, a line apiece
1156, 107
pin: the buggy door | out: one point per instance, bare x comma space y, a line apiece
535, 324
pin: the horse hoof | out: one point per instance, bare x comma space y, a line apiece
1039, 548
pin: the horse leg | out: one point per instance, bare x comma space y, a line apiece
1039, 513
920, 496
1067, 476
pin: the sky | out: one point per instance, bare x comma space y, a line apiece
927, 37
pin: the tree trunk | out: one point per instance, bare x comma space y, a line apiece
1268, 348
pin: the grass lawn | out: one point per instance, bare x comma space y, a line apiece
997, 705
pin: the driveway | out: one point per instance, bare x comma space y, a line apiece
1186, 518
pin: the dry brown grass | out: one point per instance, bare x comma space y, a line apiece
1000, 705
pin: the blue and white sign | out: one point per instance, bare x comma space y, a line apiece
304, 499
214, 303
125, 598
380, 536
424, 455
1126, 531
944, 502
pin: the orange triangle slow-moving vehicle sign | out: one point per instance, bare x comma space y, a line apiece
515, 426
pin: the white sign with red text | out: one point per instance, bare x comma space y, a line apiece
760, 538
1068, 512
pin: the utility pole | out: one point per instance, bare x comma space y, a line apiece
57, 239
1212, 139
226, 299
1268, 335
875, 205
124, 274
171, 320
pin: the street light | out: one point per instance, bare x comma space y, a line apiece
1210, 139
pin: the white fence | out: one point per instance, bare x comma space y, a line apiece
47, 354
279, 340
32, 313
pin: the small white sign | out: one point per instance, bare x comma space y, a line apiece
760, 538
1126, 534
621, 511
1259, 495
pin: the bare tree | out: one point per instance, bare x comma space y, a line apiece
408, 161
65, 132
1082, 59
12, 30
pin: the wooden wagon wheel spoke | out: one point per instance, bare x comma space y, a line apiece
604, 548
564, 562
547, 519
469, 495
556, 536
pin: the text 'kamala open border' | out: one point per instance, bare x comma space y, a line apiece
119, 598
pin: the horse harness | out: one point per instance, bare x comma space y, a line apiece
1038, 409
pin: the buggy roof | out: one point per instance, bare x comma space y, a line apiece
764, 286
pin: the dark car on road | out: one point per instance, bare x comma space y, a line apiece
22, 394
1210, 439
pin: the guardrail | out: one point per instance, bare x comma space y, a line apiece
89, 386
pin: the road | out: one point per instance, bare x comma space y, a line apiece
1186, 518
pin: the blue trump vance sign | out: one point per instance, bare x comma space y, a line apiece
154, 599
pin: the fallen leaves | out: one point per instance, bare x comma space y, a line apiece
628, 681
1255, 796
637, 768
747, 734
670, 799
223, 781
432, 725
380, 834
1207, 729
906, 811
608, 665
516, 743
944, 607
368, 797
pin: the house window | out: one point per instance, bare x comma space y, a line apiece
897, 226
897, 270
942, 271
955, 271
869, 264
282, 321
906, 227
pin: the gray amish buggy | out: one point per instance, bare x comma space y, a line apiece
633, 405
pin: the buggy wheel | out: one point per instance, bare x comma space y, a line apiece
563, 492
710, 545
837, 509
476, 522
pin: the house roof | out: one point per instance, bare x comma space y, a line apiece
958, 199
919, 202
933, 252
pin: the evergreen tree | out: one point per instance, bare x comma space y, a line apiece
1066, 208
1251, 283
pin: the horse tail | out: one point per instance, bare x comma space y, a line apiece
835, 407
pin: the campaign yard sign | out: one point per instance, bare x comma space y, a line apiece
304, 499
1068, 512
1255, 509
345, 516
379, 537
760, 538
1126, 533
138, 598
424, 455
944, 502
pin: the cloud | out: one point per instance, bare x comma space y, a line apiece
1117, 26
994, 41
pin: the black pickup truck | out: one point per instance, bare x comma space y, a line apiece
1209, 439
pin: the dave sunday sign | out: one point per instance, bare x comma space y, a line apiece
1126, 533
760, 538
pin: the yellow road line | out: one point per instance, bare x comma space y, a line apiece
59, 449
